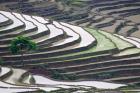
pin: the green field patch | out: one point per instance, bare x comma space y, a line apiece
120, 44
103, 44
128, 52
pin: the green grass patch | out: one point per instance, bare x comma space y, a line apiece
128, 52
120, 44
103, 44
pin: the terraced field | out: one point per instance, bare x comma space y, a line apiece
113, 16
104, 47
84, 52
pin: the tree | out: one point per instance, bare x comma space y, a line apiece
21, 45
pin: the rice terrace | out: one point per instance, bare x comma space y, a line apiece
69, 46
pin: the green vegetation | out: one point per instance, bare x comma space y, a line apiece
95, 61
37, 91
67, 2
71, 90
132, 30
121, 44
32, 80
21, 44
84, 90
129, 87
72, 2
1, 61
128, 52
118, 28
55, 74
103, 44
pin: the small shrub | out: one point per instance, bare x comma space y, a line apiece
118, 28
1, 61
56, 75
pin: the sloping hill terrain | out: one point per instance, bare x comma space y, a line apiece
84, 53
68, 42
105, 47
19, 80
119, 16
